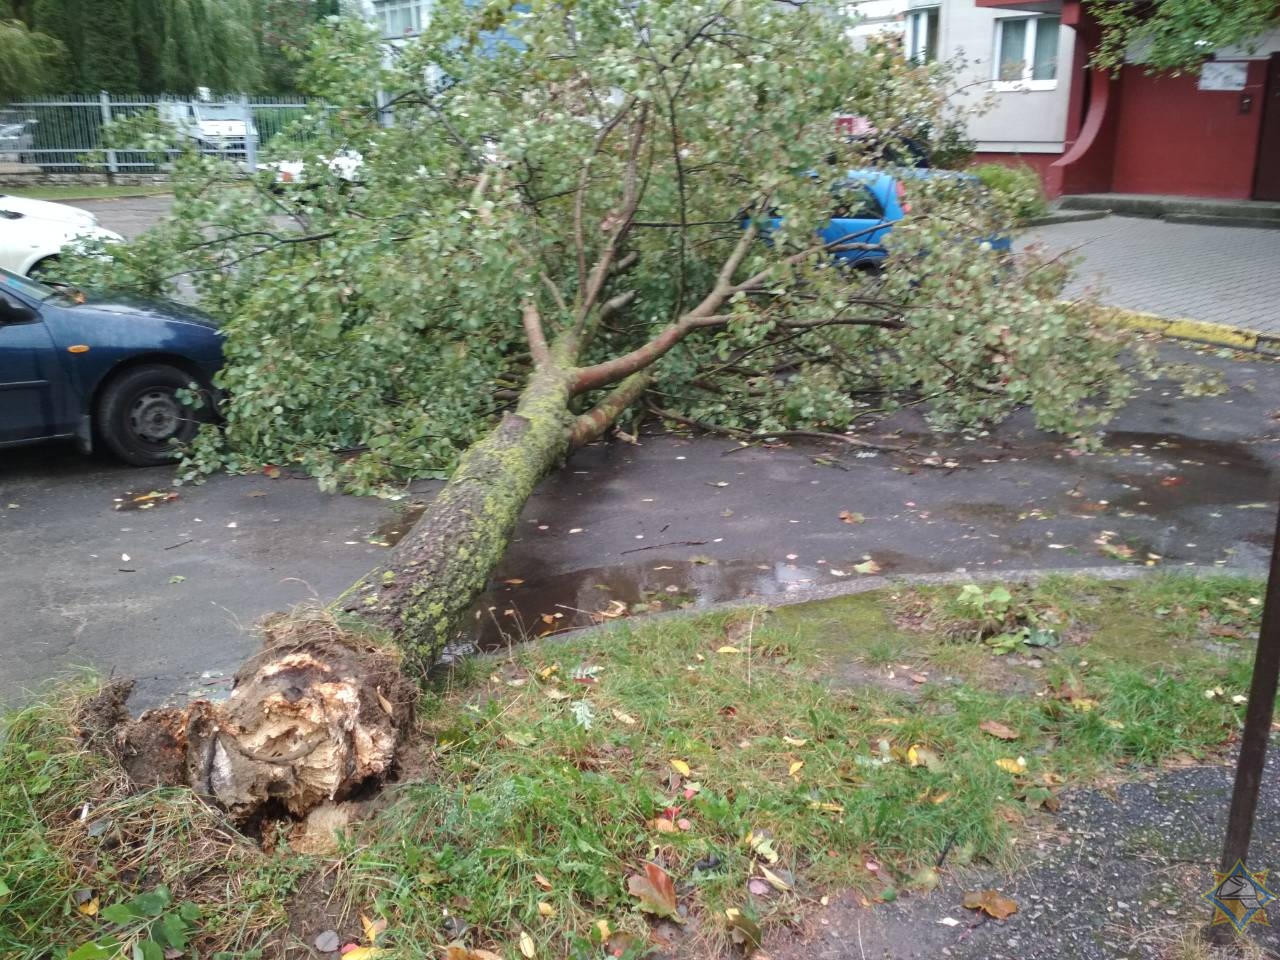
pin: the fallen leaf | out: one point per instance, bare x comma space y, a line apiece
796, 767
86, 902
774, 880
542, 881
513, 582
1009, 765
949, 922
998, 730
758, 888
545, 909
655, 891
626, 718
662, 825
372, 928
991, 903
555, 693
363, 953
744, 931
925, 879
177, 578
684, 823
327, 942
527, 947
384, 703
794, 741
680, 767
728, 649
460, 951
921, 756
826, 806
867, 566
762, 844
602, 930
848, 517
918, 678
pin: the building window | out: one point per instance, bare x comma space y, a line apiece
922, 35
1026, 53
399, 18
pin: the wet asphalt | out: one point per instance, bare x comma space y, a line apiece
169, 594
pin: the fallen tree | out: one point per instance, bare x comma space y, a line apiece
578, 204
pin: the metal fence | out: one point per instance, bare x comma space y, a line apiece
64, 134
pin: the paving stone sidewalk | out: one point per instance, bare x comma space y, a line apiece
1228, 275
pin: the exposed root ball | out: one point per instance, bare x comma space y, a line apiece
313, 716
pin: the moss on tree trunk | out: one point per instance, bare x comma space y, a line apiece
424, 590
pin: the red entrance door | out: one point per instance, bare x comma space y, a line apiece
1266, 184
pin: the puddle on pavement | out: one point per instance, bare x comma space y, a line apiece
1186, 472
516, 609
392, 531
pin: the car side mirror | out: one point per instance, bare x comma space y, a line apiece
14, 311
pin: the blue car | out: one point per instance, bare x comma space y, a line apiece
102, 369
867, 205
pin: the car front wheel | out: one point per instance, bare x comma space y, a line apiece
141, 418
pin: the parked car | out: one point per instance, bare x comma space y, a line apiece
102, 369
867, 205
16, 140
222, 128
33, 233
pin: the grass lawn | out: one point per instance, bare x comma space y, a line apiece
696, 778
85, 192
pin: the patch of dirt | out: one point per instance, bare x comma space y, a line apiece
315, 907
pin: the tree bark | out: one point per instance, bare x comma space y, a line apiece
421, 594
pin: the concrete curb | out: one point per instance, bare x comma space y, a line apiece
98, 198
1064, 216
1200, 331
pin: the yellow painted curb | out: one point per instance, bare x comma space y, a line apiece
1202, 331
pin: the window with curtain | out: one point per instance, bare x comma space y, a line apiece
1026, 51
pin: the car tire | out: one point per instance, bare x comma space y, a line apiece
139, 416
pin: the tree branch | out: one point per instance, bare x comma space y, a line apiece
590, 425
532, 321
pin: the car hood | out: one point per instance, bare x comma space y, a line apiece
117, 305
44, 210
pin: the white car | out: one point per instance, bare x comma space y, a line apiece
33, 233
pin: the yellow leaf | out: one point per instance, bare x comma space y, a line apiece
385, 703
774, 880
913, 756
796, 767
680, 767
89, 908
869, 566
363, 953
545, 909
940, 798
527, 946
827, 807
603, 930
1009, 765
794, 741
548, 671
1084, 704
372, 928
626, 718
728, 649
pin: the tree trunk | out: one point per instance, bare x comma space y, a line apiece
421, 594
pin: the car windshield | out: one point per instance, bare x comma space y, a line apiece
25, 285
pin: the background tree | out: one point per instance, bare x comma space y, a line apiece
30, 62
603, 204
1177, 34
108, 59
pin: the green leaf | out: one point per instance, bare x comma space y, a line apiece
152, 903
121, 913
95, 950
